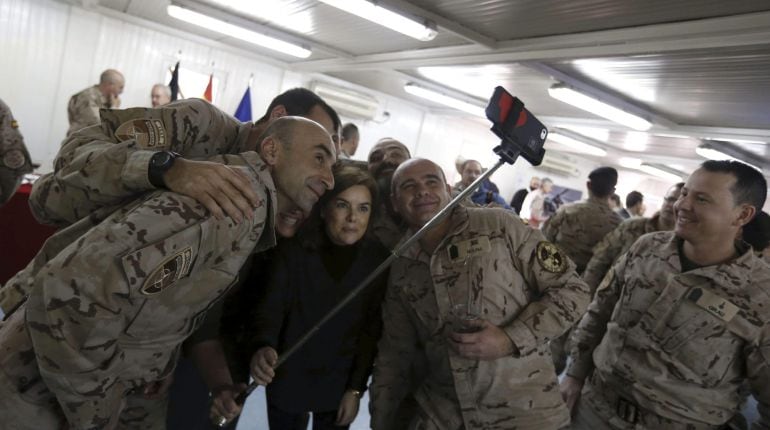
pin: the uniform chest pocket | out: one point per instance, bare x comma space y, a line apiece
161, 280
700, 343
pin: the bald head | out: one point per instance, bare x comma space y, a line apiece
111, 82
386, 155
160, 95
419, 191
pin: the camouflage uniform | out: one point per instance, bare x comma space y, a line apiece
526, 287
578, 227
101, 168
14, 158
386, 229
107, 314
615, 244
671, 349
83, 108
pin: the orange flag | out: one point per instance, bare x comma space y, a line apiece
209, 90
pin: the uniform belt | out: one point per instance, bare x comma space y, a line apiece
632, 413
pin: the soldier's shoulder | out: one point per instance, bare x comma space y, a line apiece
633, 224
493, 216
652, 241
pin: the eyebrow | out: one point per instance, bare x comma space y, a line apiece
324, 148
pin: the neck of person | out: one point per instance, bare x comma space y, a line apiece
433, 237
709, 252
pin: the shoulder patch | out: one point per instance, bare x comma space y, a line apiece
148, 133
14, 159
169, 271
550, 257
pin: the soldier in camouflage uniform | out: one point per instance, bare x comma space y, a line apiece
617, 242
681, 321
83, 107
14, 158
105, 317
576, 228
525, 292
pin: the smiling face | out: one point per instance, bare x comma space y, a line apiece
302, 168
347, 214
419, 191
706, 210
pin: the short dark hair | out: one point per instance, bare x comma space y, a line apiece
757, 232
603, 181
634, 198
346, 175
348, 130
299, 102
615, 198
750, 186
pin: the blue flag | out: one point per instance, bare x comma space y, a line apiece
243, 113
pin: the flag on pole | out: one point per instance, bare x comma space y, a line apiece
209, 89
174, 83
243, 113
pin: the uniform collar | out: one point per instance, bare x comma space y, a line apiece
736, 272
598, 201
459, 221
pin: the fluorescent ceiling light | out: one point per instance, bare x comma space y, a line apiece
237, 32
659, 172
386, 18
612, 74
629, 162
434, 96
636, 141
590, 104
736, 140
600, 134
575, 145
706, 151
282, 13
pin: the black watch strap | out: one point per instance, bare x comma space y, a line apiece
160, 162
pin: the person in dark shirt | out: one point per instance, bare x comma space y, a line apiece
310, 275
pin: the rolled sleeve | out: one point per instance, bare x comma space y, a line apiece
135, 171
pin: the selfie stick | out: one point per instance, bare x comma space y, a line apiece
508, 154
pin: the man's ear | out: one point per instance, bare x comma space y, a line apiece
448, 189
269, 150
278, 112
745, 215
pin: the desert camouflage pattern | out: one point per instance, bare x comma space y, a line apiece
106, 315
526, 286
14, 158
615, 244
387, 230
83, 108
578, 227
105, 166
101, 168
677, 345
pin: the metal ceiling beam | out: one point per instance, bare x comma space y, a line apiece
453, 27
724, 32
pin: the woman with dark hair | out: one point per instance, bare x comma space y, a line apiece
311, 274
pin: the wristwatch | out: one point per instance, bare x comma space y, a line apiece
160, 162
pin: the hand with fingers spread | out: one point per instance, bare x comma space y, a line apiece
223, 402
262, 365
223, 190
348, 409
488, 343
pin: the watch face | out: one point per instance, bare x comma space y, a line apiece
160, 159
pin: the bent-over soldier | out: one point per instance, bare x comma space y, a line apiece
14, 158
104, 317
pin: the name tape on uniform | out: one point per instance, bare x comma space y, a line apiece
715, 305
469, 248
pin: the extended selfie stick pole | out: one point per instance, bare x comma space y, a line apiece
505, 157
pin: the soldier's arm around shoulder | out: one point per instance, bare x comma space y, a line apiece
108, 163
550, 228
559, 296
